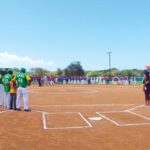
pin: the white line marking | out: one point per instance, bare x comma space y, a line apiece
135, 124
84, 119
83, 105
95, 118
107, 119
86, 92
139, 115
134, 107
4, 111
130, 124
72, 127
108, 112
44, 121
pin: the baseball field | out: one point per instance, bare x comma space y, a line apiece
79, 117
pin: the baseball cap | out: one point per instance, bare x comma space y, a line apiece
23, 70
10, 71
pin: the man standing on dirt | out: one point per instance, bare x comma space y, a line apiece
1, 89
23, 80
6, 80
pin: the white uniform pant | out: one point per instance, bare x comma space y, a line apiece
1, 95
22, 93
7, 99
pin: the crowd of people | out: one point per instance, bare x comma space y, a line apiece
116, 80
13, 88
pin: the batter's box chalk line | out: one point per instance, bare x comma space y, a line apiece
71, 127
126, 111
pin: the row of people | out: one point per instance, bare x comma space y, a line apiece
45, 80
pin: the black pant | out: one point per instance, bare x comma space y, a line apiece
13, 100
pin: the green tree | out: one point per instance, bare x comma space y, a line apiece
41, 72
74, 69
60, 72
92, 73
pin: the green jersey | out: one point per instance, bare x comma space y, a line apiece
22, 80
6, 80
0, 79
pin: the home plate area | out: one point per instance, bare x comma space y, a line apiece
135, 116
76, 120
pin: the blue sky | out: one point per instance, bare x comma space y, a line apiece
53, 33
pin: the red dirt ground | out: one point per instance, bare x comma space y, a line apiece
24, 130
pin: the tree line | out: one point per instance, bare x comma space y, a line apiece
75, 69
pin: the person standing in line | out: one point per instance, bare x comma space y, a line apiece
39, 81
146, 87
13, 94
1, 89
6, 81
23, 80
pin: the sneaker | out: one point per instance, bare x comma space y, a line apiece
18, 109
27, 110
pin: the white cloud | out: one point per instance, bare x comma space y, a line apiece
13, 60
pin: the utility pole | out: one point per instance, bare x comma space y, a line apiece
109, 54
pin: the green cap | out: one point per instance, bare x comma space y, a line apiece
23, 70
10, 71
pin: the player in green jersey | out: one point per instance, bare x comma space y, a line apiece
1, 89
6, 80
23, 80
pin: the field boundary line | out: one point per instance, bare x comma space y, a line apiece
84, 92
85, 105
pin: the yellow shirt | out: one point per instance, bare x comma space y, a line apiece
13, 87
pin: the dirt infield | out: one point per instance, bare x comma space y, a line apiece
78, 117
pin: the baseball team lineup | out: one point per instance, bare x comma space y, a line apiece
13, 88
